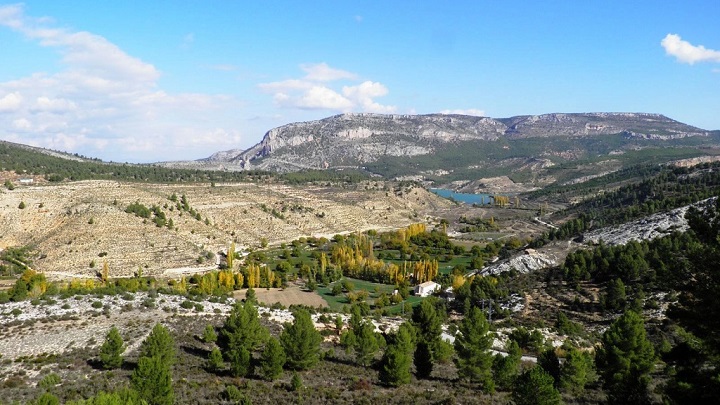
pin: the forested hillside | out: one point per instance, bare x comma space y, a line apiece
662, 189
24, 160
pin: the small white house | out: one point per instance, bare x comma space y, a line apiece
426, 288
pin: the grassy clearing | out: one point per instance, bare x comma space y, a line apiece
339, 303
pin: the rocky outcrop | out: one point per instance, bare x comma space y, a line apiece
654, 226
530, 260
350, 140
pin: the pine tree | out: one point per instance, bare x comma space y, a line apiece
215, 360
242, 328
429, 329
296, 383
301, 342
396, 362
615, 296
272, 360
152, 378
159, 344
366, 344
423, 359
576, 372
240, 359
550, 362
209, 335
535, 387
506, 368
474, 360
152, 381
250, 296
240, 335
625, 359
112, 349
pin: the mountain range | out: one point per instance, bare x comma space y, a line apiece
459, 149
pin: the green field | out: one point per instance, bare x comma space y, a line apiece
340, 302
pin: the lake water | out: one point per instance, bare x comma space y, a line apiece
467, 198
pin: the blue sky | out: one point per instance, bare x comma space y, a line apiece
171, 80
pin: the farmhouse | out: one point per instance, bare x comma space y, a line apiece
426, 288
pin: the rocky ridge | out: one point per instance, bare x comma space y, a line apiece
354, 139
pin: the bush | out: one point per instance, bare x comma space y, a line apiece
187, 304
234, 395
209, 335
49, 381
97, 304
296, 383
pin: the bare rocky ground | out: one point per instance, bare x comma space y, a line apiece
654, 226
74, 226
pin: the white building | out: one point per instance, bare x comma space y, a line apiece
426, 288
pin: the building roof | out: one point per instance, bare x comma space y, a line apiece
428, 284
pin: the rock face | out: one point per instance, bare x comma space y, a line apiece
349, 140
526, 262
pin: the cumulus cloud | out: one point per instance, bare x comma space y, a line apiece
686, 52
10, 102
104, 102
315, 92
22, 124
469, 111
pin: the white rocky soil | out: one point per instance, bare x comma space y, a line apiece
648, 228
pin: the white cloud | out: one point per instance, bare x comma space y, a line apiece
106, 103
315, 92
686, 52
364, 93
469, 111
319, 97
57, 105
10, 102
321, 72
22, 124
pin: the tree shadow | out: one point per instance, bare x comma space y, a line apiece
96, 364
127, 365
337, 360
195, 351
